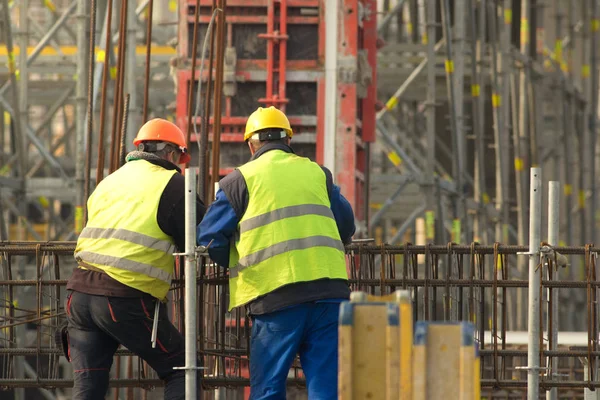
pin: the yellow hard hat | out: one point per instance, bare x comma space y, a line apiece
264, 118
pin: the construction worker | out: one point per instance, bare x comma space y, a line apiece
125, 265
287, 223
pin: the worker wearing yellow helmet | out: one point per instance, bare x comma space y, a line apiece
279, 225
125, 260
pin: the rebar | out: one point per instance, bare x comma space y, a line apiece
218, 95
90, 111
148, 53
190, 94
118, 92
123, 135
203, 159
223, 342
103, 99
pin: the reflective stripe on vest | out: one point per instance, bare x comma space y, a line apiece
123, 263
283, 247
128, 236
122, 237
285, 212
288, 233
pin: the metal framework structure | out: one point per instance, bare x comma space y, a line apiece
481, 83
43, 92
466, 290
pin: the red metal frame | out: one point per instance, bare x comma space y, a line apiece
356, 123
276, 54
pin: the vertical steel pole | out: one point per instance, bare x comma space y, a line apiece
459, 83
478, 113
586, 223
595, 30
458, 136
504, 123
131, 74
331, 86
553, 227
80, 110
498, 79
191, 356
522, 151
429, 190
23, 77
533, 348
22, 114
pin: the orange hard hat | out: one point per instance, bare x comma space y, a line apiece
161, 130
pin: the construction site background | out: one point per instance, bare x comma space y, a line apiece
432, 141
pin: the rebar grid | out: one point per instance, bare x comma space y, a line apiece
452, 282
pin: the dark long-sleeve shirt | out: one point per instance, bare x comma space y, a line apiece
171, 220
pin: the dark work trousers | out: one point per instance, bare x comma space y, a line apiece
98, 324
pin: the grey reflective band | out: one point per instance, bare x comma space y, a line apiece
285, 212
125, 264
289, 245
128, 236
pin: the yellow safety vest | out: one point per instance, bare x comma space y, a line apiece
288, 233
122, 237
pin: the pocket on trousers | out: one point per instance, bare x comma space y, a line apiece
281, 321
123, 309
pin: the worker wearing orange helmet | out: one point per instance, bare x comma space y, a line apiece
126, 263
279, 225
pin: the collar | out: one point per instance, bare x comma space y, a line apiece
271, 146
151, 158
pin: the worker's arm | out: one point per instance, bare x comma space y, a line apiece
341, 208
217, 229
171, 211
343, 214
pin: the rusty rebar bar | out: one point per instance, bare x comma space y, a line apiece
148, 53
224, 338
118, 93
90, 111
123, 136
104, 90
203, 159
218, 95
192, 73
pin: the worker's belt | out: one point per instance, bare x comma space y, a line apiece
90, 267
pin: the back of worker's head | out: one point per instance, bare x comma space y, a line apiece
163, 139
267, 125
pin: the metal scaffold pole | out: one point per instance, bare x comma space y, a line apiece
457, 135
533, 328
553, 229
191, 358
594, 43
429, 190
502, 139
478, 113
584, 145
521, 145
80, 109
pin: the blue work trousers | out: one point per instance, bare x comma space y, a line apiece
98, 324
309, 329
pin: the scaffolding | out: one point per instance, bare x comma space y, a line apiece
48, 158
520, 84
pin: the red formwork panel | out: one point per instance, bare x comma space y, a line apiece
279, 62
279, 45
